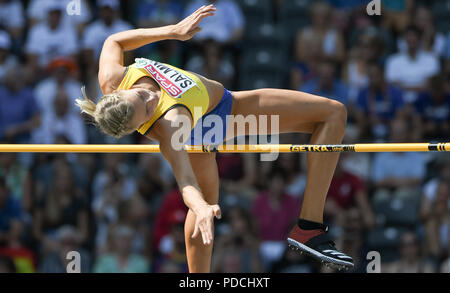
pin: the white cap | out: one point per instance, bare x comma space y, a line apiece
114, 4
5, 40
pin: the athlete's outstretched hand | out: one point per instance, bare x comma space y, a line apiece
188, 27
204, 222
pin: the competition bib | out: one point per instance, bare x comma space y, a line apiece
171, 80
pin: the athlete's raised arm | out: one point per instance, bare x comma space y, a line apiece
111, 67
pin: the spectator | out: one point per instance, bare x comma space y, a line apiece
332, 42
7, 60
64, 205
51, 38
410, 260
172, 246
121, 259
432, 41
227, 25
11, 17
326, 84
356, 71
401, 172
78, 19
19, 114
62, 78
109, 23
377, 104
433, 107
156, 13
438, 223
154, 177
171, 209
10, 210
398, 14
62, 123
410, 69
350, 237
135, 213
58, 261
111, 184
274, 212
240, 235
17, 177
15, 248
212, 63
96, 33
348, 191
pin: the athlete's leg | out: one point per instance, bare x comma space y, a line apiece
199, 254
325, 119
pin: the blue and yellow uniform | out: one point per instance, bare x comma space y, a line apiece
179, 88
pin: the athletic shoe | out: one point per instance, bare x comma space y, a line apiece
319, 245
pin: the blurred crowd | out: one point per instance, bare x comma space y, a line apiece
124, 213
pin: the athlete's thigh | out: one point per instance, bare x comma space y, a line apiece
297, 111
207, 175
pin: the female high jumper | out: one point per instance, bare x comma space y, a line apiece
148, 96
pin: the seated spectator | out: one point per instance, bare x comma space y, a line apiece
296, 177
135, 213
63, 122
51, 38
327, 84
332, 42
7, 60
24, 258
410, 257
238, 233
274, 212
411, 69
170, 209
64, 205
19, 113
400, 172
10, 211
17, 177
348, 191
237, 175
432, 41
398, 14
377, 104
437, 224
78, 19
211, 64
121, 259
172, 246
57, 261
356, 71
351, 238
156, 13
95, 34
430, 188
307, 69
62, 77
433, 107
154, 177
227, 25
110, 185
108, 23
12, 18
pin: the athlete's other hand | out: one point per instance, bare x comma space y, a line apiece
204, 222
188, 27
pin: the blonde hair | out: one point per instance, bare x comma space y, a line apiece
112, 113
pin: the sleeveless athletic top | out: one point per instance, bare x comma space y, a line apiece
178, 88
